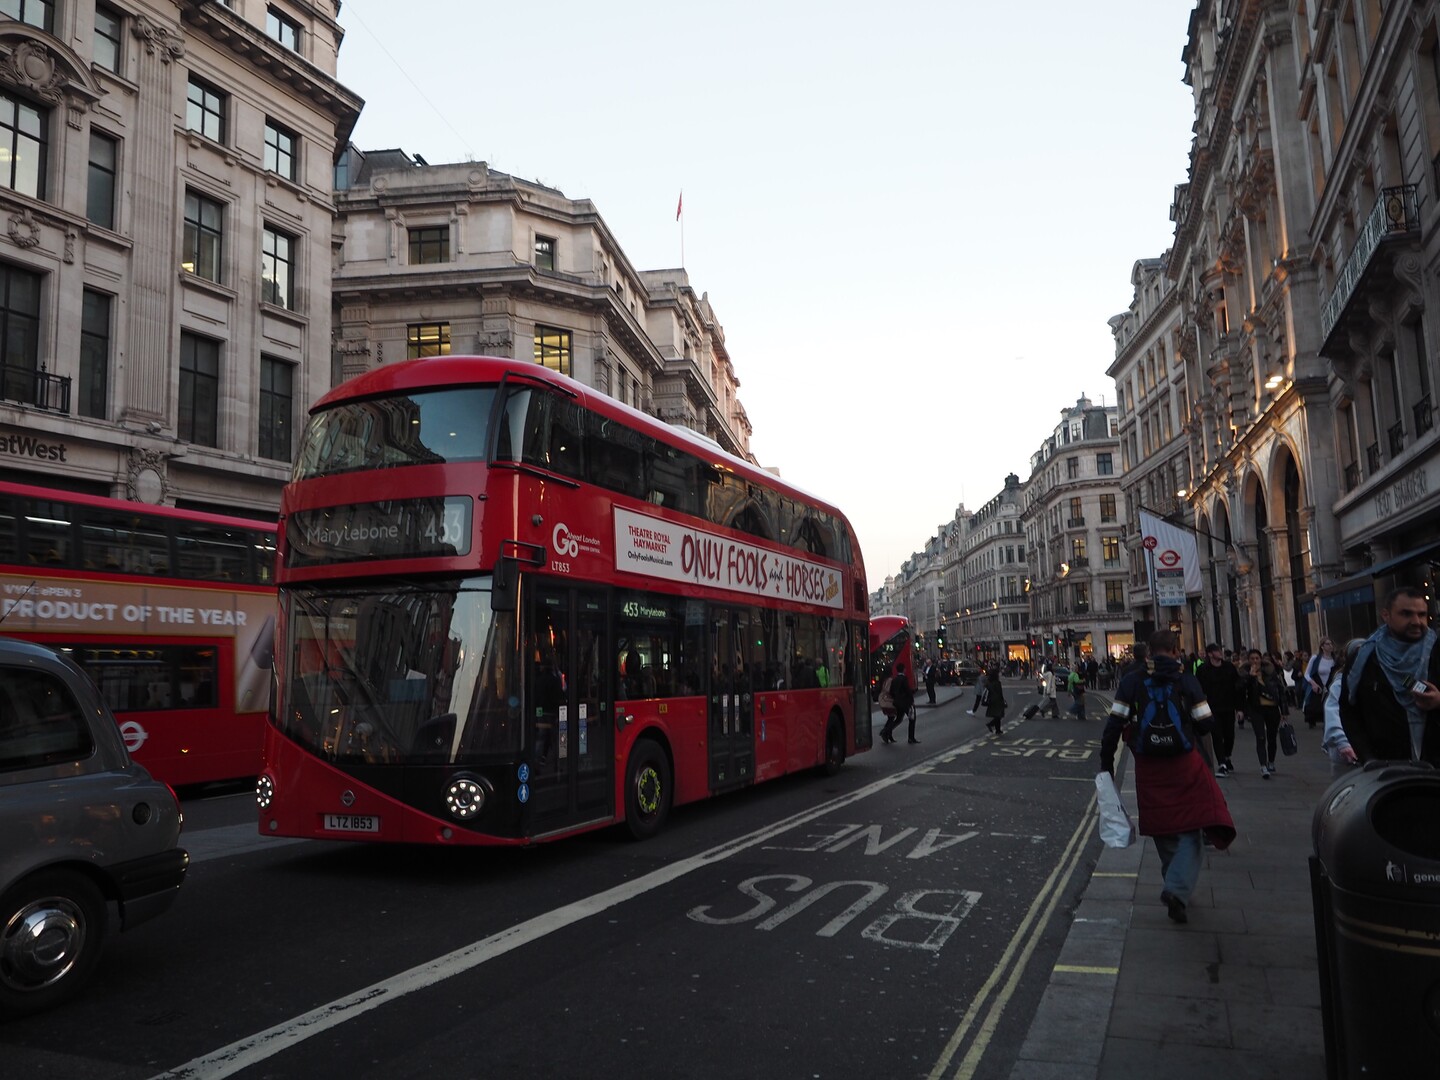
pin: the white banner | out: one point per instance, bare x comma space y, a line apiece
1173, 557
661, 549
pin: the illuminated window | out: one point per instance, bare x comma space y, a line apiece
23, 148
204, 223
277, 268
427, 339
552, 349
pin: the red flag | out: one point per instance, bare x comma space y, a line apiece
679, 205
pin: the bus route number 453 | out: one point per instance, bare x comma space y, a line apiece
368, 823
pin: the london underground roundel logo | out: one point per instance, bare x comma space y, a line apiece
1169, 558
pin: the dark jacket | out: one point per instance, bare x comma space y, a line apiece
995, 703
1268, 685
1221, 685
1173, 794
902, 693
1376, 724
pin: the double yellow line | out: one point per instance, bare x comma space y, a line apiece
1014, 960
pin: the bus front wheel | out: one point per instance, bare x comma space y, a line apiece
647, 790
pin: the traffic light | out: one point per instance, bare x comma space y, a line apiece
940, 638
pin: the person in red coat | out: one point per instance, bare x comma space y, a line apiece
1180, 803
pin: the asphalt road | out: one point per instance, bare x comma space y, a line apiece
899, 919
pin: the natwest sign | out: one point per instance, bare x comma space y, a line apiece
661, 549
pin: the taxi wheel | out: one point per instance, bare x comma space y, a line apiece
52, 927
647, 790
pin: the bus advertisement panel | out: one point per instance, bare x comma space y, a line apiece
177, 629
512, 608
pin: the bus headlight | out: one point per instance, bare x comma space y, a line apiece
264, 791
465, 798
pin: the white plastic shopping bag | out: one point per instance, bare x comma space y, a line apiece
1116, 828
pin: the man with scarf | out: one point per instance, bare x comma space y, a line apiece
1179, 801
1385, 713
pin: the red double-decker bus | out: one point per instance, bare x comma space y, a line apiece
890, 640
512, 608
171, 612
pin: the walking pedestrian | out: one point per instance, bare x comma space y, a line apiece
930, 676
995, 703
1047, 693
903, 695
1180, 803
1335, 742
1265, 693
1317, 678
1390, 707
1220, 679
1076, 685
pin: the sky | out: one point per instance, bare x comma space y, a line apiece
913, 220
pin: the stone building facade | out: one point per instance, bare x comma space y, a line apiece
1152, 408
1077, 588
460, 258
1370, 98
167, 208
1305, 237
995, 568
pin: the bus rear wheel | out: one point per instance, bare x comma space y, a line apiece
834, 745
648, 792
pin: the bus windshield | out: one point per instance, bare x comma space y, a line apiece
409, 674
428, 428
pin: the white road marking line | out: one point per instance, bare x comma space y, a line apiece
251, 1050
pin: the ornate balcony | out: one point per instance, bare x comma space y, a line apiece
1352, 476
1372, 459
1424, 416
1396, 214
1395, 434
1077, 522
34, 387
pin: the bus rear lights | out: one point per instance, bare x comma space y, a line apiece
264, 791
465, 798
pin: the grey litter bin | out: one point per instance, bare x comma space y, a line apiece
1376, 885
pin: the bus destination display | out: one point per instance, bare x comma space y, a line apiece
397, 528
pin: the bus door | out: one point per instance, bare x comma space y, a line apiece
859, 648
732, 699
568, 706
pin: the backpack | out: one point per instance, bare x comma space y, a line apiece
1161, 730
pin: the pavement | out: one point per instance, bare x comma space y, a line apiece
1233, 993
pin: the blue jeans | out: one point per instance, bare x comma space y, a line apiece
1180, 862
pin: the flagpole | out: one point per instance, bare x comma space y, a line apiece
680, 217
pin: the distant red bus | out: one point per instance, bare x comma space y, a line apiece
512, 608
171, 612
890, 640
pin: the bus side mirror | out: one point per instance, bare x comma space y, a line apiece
504, 592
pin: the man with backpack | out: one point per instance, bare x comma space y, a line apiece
1162, 714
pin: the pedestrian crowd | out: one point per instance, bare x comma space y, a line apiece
1376, 699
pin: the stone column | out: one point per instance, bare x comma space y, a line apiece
152, 275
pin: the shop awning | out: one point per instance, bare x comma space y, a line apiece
1360, 588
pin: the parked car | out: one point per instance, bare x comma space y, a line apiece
966, 673
83, 827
